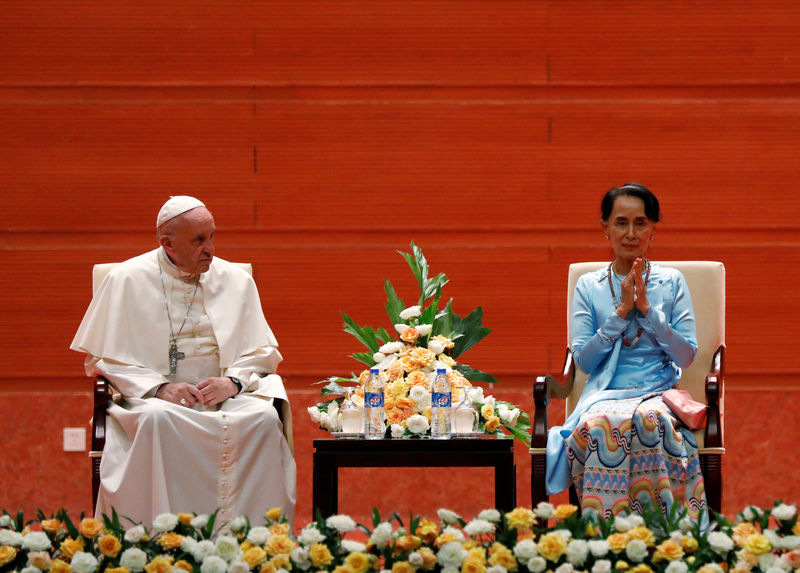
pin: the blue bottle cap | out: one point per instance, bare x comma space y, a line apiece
374, 370
441, 370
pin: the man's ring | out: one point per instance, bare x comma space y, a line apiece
183, 401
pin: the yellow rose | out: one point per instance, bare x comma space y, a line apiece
551, 546
395, 371
565, 510
170, 540
642, 534
342, 569
320, 555
757, 544
422, 356
267, 568
520, 518
159, 564
741, 531
274, 514
796, 528
245, 545
429, 559
617, 542
185, 518
447, 360
445, 538
689, 544
402, 566
473, 564
281, 561
622, 565
280, 544
357, 561
254, 556
591, 530
51, 525
427, 531
90, 528
71, 546
407, 543
641, 568
749, 558
109, 545
499, 554
444, 341
183, 565
7, 554
707, 569
492, 423
279, 529
60, 566
487, 410
125, 569
668, 551
410, 335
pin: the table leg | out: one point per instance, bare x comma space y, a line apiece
326, 486
505, 477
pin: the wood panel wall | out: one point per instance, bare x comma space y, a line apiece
326, 135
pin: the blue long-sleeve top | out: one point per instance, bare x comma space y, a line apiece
667, 344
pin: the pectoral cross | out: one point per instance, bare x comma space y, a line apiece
174, 356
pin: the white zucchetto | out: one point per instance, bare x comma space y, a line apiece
177, 205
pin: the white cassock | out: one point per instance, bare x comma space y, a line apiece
161, 457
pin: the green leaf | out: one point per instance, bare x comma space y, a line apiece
364, 358
334, 388
432, 286
419, 265
442, 323
474, 375
376, 518
364, 334
384, 336
336, 379
472, 329
394, 305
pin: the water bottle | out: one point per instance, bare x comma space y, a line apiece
374, 428
440, 405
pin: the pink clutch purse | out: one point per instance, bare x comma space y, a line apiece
690, 412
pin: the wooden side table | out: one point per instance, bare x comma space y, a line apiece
332, 454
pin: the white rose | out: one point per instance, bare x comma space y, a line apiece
783, 564
601, 566
447, 516
311, 535
378, 357
188, 545
329, 422
417, 424
525, 550
537, 564
134, 559
238, 566
398, 430
238, 524
84, 562
386, 362
8, 537
766, 561
31, 569
622, 523
491, 515
490, 400
676, 536
299, 556
565, 568
401, 328
565, 534
424, 329
382, 534
598, 547
790, 542
134, 534
200, 521
451, 554
543, 509
391, 347
752, 512
213, 564
720, 542
450, 569
165, 522
353, 546
258, 535
677, 566
496, 569
577, 552
203, 549
439, 365
636, 550
436, 347
415, 559
686, 524
476, 396
478, 527
341, 523
774, 538
776, 570
228, 547
6, 521
784, 512
510, 417
457, 534
419, 394
636, 520
36, 541
410, 312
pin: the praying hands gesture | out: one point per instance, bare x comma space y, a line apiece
634, 291
209, 392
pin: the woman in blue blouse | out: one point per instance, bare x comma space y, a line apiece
633, 329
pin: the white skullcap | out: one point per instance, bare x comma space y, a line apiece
175, 206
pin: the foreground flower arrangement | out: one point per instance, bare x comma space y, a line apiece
547, 538
428, 338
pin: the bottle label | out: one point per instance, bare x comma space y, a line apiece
373, 399
441, 399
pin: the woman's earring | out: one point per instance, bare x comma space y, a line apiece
606, 236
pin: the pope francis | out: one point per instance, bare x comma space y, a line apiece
181, 336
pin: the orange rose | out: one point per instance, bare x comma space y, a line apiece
170, 540
422, 356
707, 569
641, 568
410, 335
487, 410
501, 555
456, 378
668, 551
281, 561
741, 531
7, 554
159, 564
749, 558
796, 528
69, 547
52, 525
279, 529
254, 556
342, 569
109, 545
280, 544
492, 423
428, 531
407, 543
395, 371
689, 544
320, 555
125, 569
565, 510
90, 527
429, 558
357, 561
444, 341
551, 546
448, 361
182, 564
402, 566
60, 566
617, 542
185, 518
520, 518
268, 568
642, 534
274, 514
417, 378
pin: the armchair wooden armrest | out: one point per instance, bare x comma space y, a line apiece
102, 398
712, 450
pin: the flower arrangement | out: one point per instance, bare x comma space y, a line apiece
428, 338
546, 538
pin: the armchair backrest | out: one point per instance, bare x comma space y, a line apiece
706, 280
100, 270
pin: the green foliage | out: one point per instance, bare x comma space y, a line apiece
419, 266
364, 334
474, 375
471, 330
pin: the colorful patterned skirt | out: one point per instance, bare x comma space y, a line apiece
628, 454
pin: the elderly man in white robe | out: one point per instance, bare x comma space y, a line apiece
182, 337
